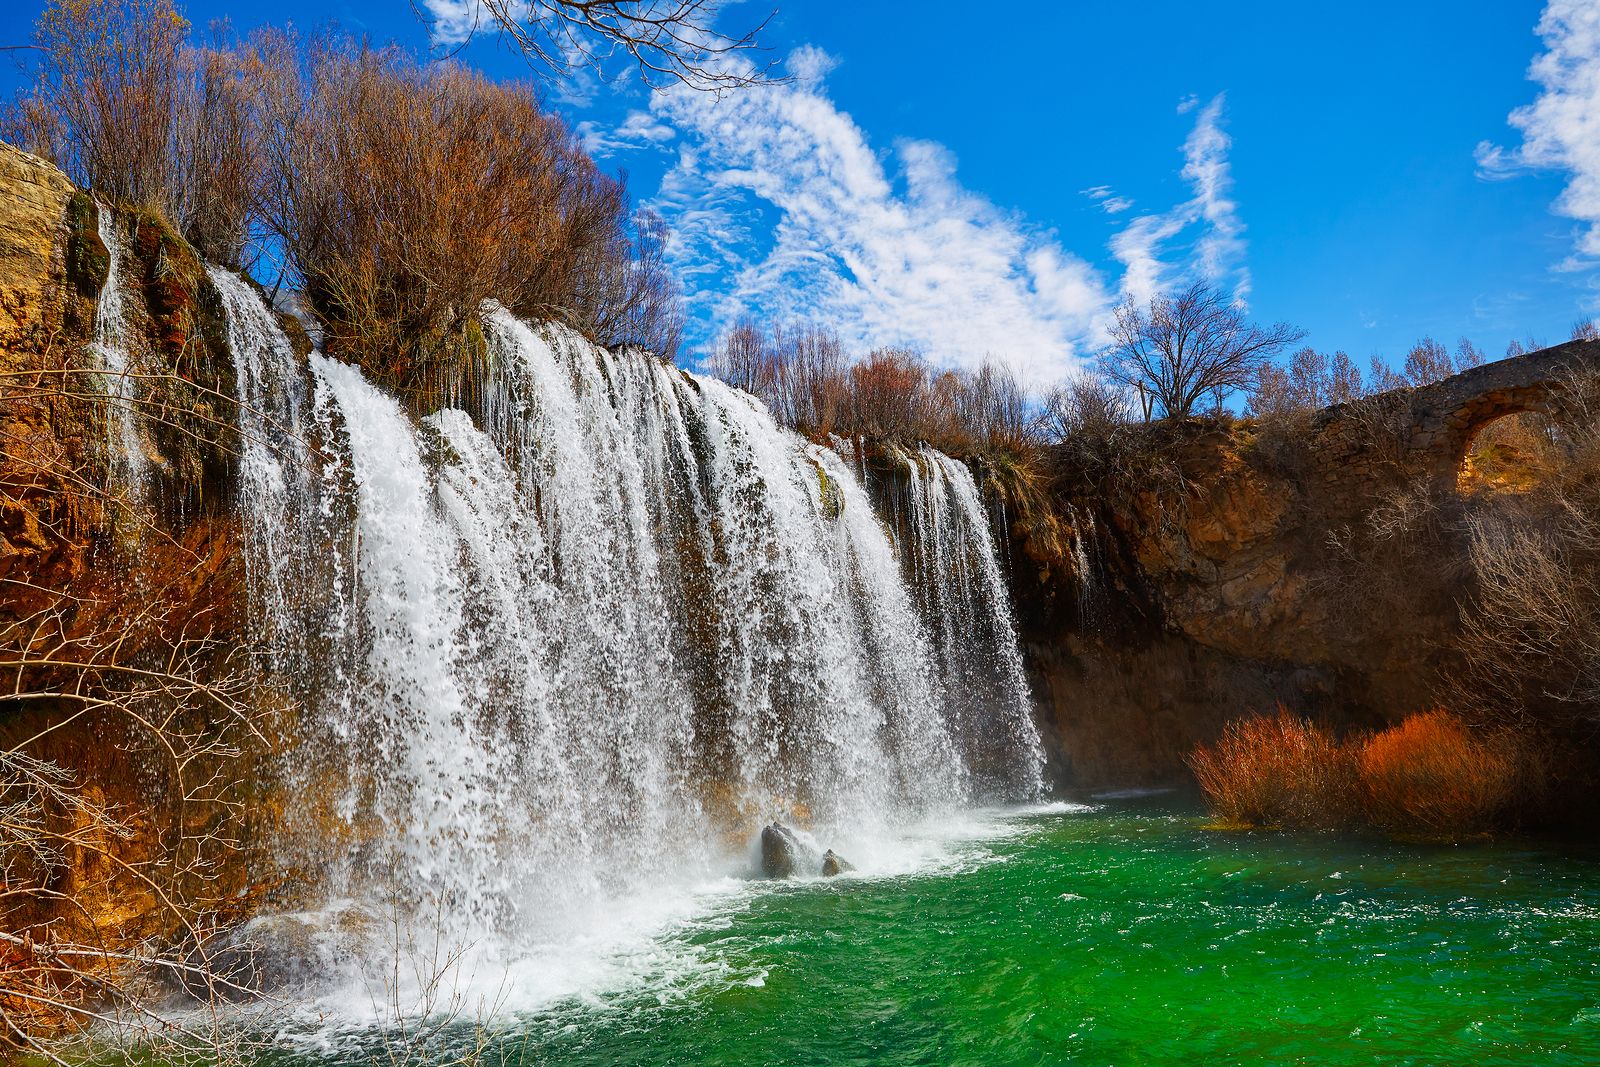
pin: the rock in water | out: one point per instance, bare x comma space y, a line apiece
779, 850
268, 955
833, 863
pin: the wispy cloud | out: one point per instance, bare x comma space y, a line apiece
639, 130
450, 22
1110, 202
1561, 128
781, 207
889, 252
1210, 218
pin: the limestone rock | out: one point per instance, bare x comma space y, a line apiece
834, 864
33, 202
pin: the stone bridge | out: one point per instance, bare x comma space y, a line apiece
1426, 431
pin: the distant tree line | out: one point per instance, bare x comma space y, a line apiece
811, 382
1175, 357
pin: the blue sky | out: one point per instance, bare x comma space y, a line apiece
972, 186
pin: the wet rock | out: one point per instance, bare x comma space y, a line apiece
267, 955
833, 863
780, 851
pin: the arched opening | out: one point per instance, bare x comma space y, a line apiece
1513, 453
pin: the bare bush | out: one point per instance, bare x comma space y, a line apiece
1278, 770
110, 83
1086, 405
1430, 774
1529, 640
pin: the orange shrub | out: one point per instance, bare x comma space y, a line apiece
1278, 770
1433, 774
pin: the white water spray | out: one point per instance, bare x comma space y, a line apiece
575, 650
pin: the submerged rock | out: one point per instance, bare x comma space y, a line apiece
833, 863
780, 851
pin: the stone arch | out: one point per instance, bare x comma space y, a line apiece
1473, 418
1448, 416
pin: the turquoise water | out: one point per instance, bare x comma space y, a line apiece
1123, 934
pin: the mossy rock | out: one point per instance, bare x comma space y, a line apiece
88, 258
173, 275
832, 494
195, 435
295, 331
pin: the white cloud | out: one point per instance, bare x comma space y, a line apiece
1206, 166
809, 64
1110, 203
1561, 128
781, 208
1216, 252
454, 21
901, 254
639, 130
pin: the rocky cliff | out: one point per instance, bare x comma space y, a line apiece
112, 586
1187, 573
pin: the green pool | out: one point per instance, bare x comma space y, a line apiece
1122, 934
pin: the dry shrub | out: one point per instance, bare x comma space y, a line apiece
400, 196
1529, 641
111, 86
1432, 774
1277, 770
413, 194
810, 382
1435, 775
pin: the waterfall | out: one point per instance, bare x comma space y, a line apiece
1085, 561
109, 346
964, 597
275, 473
590, 636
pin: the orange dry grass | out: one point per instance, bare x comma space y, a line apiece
1278, 770
1432, 774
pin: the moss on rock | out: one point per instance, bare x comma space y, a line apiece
88, 258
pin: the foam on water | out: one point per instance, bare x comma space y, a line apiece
645, 948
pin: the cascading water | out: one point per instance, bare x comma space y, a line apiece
1085, 560
585, 642
275, 473
958, 578
110, 348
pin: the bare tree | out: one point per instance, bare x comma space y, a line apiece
1312, 380
1428, 362
110, 78
1180, 351
1586, 330
670, 41
744, 361
1468, 355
